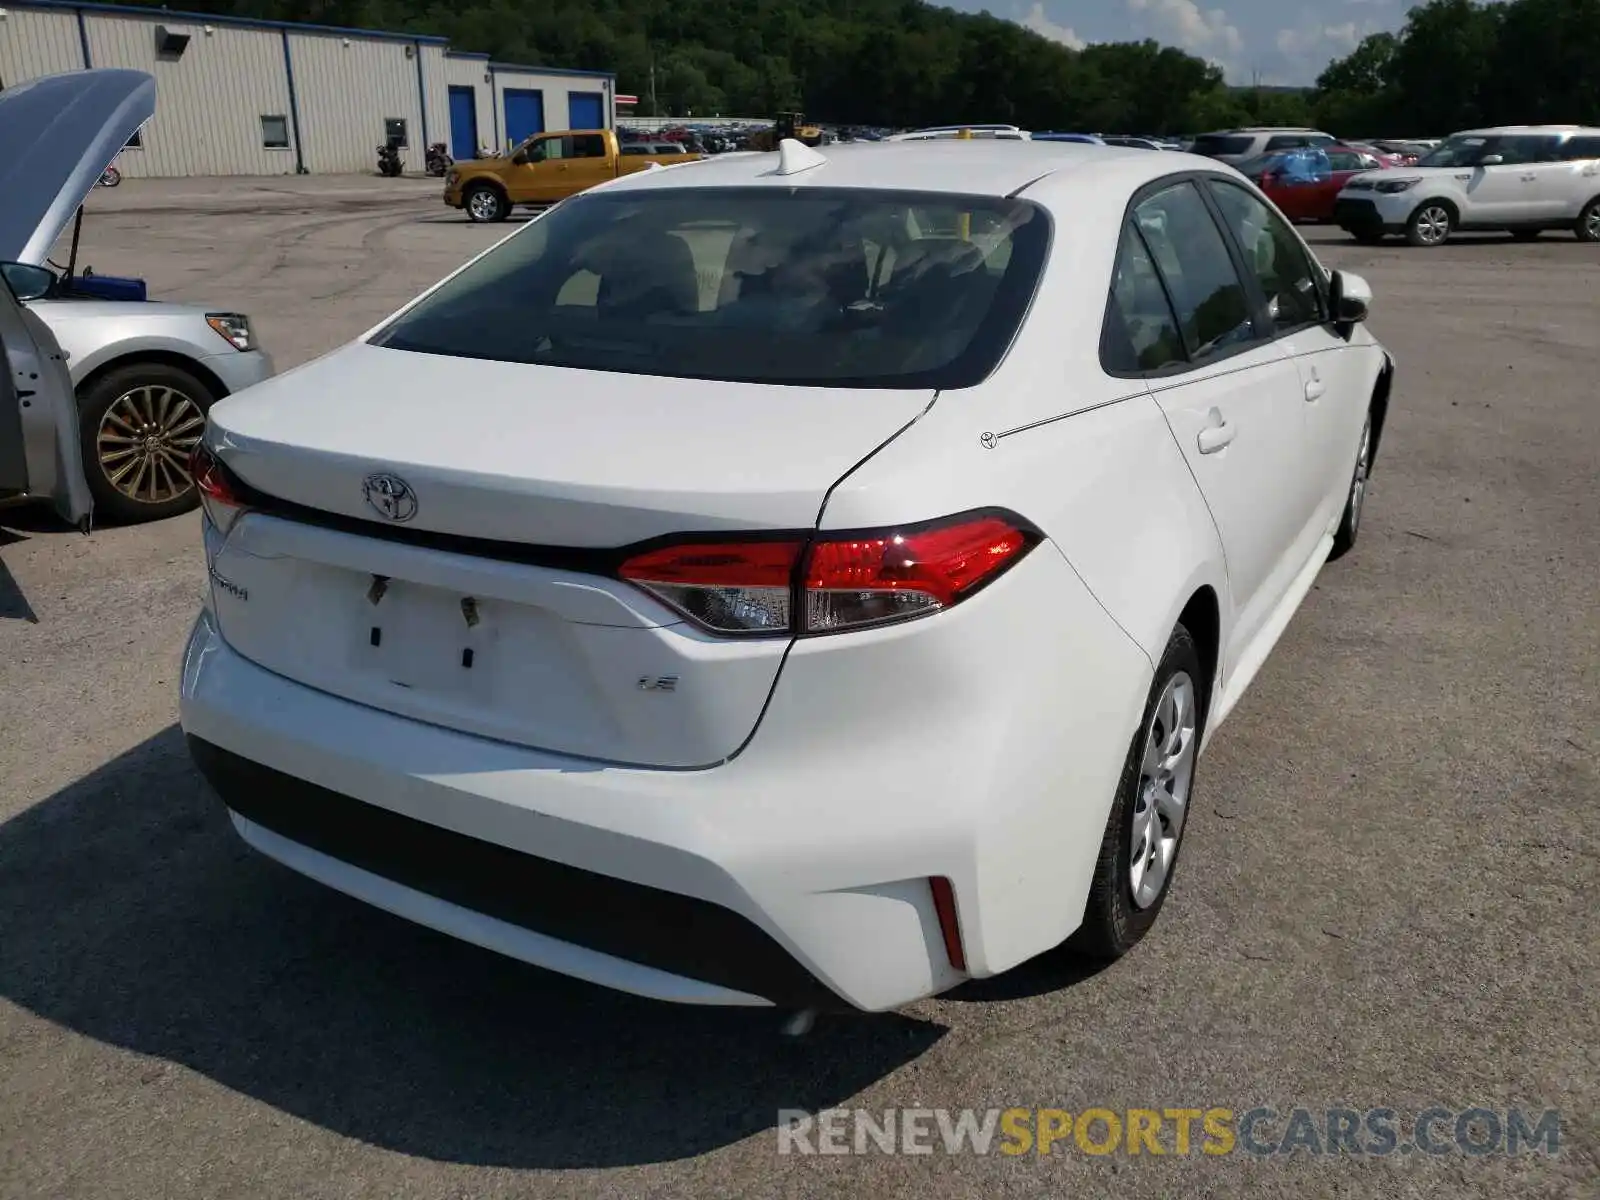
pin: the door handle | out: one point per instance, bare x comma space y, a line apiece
1315, 388
1217, 435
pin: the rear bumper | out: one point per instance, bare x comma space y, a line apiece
796, 873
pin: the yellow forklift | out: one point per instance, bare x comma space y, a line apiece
786, 125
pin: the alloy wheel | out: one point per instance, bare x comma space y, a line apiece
144, 442
1166, 773
1591, 223
483, 205
1433, 225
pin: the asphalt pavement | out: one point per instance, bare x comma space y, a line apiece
1387, 898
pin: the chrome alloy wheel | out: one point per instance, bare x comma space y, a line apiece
1358, 485
483, 204
1165, 775
144, 442
1433, 225
1591, 223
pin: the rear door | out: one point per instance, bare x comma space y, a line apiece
1335, 382
1546, 181
1233, 403
39, 450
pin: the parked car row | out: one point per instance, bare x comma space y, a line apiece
1525, 180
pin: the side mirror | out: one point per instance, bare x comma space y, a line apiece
28, 282
1491, 160
1350, 299
520, 158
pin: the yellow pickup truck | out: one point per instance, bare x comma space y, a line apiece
546, 168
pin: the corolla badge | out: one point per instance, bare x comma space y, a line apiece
390, 496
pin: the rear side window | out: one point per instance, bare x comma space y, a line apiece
1581, 148
1141, 333
1346, 160
1520, 150
819, 286
1213, 144
1210, 301
588, 145
1287, 141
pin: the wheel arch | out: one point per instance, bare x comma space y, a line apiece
167, 358
1202, 617
1380, 405
1442, 201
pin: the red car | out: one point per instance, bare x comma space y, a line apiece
1304, 182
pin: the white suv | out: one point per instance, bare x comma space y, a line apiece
1234, 146
1523, 179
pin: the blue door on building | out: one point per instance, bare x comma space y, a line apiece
586, 110
463, 123
524, 114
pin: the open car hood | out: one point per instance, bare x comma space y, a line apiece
58, 134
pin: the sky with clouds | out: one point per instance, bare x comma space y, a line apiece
1268, 41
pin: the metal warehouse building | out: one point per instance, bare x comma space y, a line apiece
244, 97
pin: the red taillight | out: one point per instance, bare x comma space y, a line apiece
730, 587
843, 581
218, 493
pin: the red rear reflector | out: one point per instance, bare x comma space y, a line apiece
849, 581
944, 903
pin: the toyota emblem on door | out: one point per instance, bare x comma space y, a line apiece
390, 496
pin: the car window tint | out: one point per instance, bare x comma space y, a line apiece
1288, 278
1581, 148
1345, 160
1519, 150
588, 145
1193, 259
1285, 141
1213, 144
827, 287
1141, 333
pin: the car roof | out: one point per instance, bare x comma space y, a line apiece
1527, 130
983, 167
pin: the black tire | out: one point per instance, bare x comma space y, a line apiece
1588, 225
167, 413
1526, 235
485, 203
1430, 224
1344, 538
1114, 921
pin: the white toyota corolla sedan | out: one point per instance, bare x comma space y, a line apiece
804, 578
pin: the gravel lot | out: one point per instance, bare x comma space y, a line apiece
1388, 898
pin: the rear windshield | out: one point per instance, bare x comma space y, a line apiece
826, 287
1219, 143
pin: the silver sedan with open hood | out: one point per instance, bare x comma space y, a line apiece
142, 375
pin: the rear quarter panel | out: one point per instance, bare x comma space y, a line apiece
1085, 456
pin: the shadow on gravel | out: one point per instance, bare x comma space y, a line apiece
130, 912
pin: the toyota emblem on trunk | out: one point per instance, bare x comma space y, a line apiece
390, 496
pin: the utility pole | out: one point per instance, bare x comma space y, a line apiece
655, 109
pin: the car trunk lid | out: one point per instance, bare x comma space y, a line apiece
439, 537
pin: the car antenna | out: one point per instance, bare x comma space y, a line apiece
795, 156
